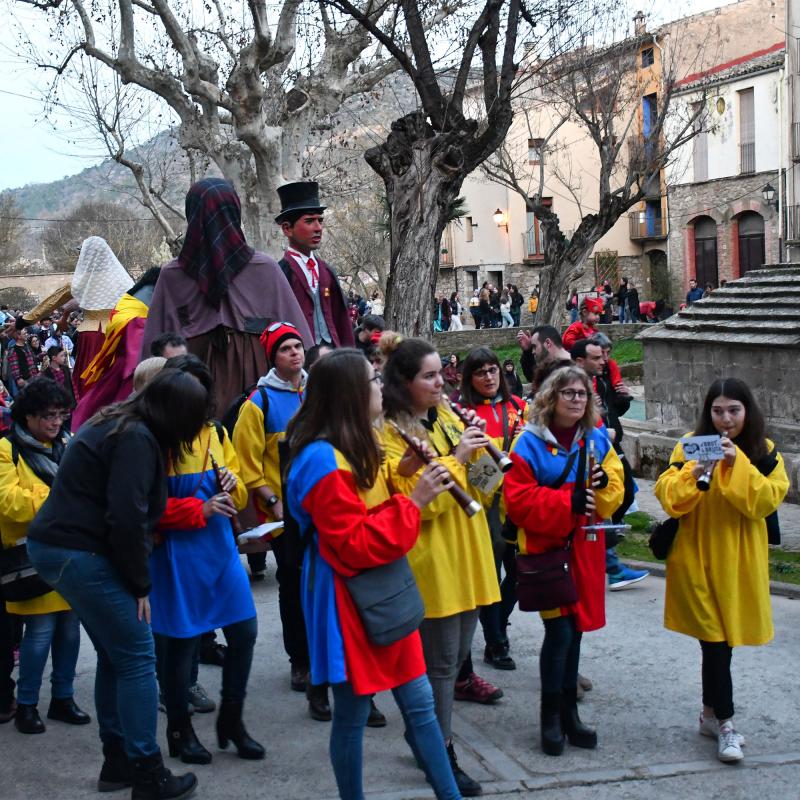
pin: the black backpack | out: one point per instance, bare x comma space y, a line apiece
232, 413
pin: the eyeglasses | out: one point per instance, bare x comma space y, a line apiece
376, 378
571, 394
486, 372
52, 416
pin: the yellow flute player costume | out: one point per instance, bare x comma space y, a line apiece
452, 559
717, 568
22, 494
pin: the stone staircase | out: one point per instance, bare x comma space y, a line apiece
760, 309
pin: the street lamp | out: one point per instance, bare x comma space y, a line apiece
500, 219
768, 193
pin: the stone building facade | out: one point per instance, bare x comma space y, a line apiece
726, 202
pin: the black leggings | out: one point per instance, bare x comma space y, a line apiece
560, 654
717, 683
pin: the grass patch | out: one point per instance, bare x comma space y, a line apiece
784, 565
626, 351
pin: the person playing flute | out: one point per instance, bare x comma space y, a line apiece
452, 559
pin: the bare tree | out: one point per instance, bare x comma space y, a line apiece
595, 93
11, 229
466, 110
247, 82
357, 241
136, 243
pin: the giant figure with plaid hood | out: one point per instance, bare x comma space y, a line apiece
221, 294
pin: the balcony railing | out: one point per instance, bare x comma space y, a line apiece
643, 228
747, 158
793, 223
796, 141
529, 243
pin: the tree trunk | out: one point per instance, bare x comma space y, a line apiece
423, 172
555, 282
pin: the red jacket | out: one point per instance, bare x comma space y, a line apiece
334, 308
576, 332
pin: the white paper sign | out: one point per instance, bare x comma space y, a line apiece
258, 531
702, 448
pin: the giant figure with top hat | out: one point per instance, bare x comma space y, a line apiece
314, 283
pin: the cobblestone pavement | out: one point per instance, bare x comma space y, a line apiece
644, 704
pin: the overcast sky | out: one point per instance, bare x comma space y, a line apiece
32, 152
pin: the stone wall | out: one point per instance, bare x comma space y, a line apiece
722, 200
648, 447
677, 375
458, 341
39, 285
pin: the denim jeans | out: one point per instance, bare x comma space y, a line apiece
415, 701
613, 564
622, 313
573, 315
176, 658
59, 632
560, 654
125, 689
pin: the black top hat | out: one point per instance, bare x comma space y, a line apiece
300, 196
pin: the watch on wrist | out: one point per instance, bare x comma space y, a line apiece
273, 500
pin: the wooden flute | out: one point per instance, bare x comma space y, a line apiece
498, 456
468, 503
235, 524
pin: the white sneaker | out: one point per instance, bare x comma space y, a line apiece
709, 726
728, 748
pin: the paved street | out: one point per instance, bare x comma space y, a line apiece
644, 704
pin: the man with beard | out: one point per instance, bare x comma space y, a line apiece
542, 352
588, 355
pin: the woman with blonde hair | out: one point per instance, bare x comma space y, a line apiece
452, 559
549, 497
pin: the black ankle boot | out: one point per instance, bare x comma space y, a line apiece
552, 733
231, 728
66, 710
116, 772
184, 744
578, 734
468, 787
318, 706
27, 719
153, 781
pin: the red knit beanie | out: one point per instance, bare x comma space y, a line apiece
275, 335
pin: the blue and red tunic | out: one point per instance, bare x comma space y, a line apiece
545, 518
352, 531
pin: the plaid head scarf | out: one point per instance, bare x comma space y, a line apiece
214, 250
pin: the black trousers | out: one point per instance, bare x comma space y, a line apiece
289, 561
717, 682
560, 654
10, 635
